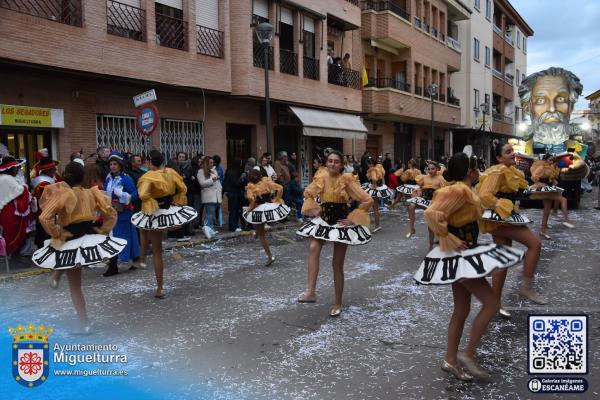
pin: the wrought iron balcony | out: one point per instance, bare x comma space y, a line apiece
497, 74
125, 20
508, 119
442, 98
341, 76
389, 83
288, 62
64, 11
171, 32
454, 43
386, 5
259, 56
209, 41
418, 90
417, 22
425, 27
434, 32
498, 30
508, 78
311, 68
497, 116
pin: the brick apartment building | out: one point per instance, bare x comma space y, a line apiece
81, 61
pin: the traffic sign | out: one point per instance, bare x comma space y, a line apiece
146, 119
144, 98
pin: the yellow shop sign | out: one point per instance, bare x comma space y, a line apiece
31, 116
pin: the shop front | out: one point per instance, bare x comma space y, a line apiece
25, 130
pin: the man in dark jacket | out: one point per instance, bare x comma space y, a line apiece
232, 185
102, 153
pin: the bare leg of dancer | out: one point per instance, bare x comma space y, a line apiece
260, 231
411, 220
143, 245
547, 208
314, 255
533, 243
156, 241
431, 237
74, 277
339, 254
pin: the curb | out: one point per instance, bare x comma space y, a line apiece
33, 271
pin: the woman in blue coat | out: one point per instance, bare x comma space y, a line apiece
123, 193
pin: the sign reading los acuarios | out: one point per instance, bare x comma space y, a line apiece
31, 116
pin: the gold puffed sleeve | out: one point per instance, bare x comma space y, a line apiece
445, 202
514, 179
310, 206
278, 189
179, 197
109, 214
488, 187
149, 205
57, 199
359, 216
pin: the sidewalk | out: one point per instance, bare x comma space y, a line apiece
21, 267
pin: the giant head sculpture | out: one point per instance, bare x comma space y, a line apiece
548, 97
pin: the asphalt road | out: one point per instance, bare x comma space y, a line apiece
231, 328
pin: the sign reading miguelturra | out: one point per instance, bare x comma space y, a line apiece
143, 98
31, 116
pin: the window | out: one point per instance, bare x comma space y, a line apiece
477, 4
488, 56
179, 135
476, 49
488, 9
487, 101
476, 100
518, 78
522, 77
524, 44
119, 133
519, 39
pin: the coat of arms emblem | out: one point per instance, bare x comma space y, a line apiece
30, 354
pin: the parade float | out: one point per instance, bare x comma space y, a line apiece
548, 97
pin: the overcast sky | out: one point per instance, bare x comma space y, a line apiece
566, 35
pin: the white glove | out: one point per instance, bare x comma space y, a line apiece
118, 191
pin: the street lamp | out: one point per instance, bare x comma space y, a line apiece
264, 34
485, 108
433, 90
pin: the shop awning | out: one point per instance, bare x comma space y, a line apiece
330, 123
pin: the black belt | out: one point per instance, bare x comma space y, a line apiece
265, 198
514, 196
79, 229
332, 212
428, 194
411, 182
467, 233
165, 202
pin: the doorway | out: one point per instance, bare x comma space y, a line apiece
238, 139
23, 143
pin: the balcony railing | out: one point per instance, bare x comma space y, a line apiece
498, 30
311, 68
434, 32
509, 79
171, 32
497, 116
389, 83
426, 27
418, 90
64, 11
441, 36
451, 99
508, 119
125, 20
386, 5
497, 74
442, 98
417, 22
341, 76
259, 56
209, 42
455, 44
288, 62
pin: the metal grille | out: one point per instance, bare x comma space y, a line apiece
63, 11
209, 41
341, 76
311, 68
288, 62
383, 5
259, 56
180, 135
119, 133
171, 32
125, 20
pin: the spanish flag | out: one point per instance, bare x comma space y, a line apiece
365, 77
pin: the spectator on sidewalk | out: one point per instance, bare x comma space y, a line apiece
232, 188
293, 162
209, 181
265, 168
102, 153
195, 190
221, 173
296, 194
283, 174
244, 179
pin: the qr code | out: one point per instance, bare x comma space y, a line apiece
557, 344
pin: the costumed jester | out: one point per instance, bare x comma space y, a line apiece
122, 191
44, 174
15, 202
549, 96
